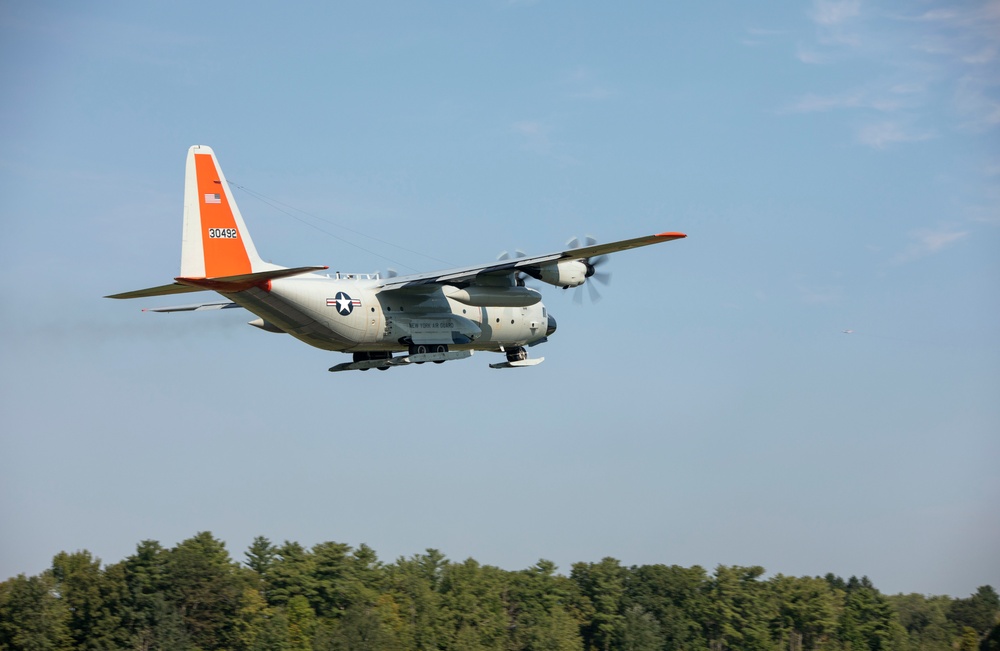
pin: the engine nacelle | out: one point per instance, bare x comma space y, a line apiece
565, 273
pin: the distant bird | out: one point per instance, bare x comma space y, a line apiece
848, 332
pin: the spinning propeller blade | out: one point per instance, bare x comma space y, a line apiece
592, 274
519, 278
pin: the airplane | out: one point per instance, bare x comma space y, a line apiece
427, 317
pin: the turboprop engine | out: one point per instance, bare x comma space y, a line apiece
565, 273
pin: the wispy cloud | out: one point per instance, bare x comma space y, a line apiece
820, 295
898, 102
536, 138
935, 66
987, 209
835, 12
534, 135
756, 36
894, 98
883, 134
809, 55
812, 103
984, 56
978, 102
583, 83
925, 242
837, 22
962, 29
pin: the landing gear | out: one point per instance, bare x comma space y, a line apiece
373, 356
517, 357
423, 349
420, 349
516, 354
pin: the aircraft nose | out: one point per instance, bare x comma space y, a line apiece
551, 326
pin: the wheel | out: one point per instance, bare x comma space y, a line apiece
516, 354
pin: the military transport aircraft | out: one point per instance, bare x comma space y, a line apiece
427, 317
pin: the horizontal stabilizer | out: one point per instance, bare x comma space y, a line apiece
243, 282
162, 290
192, 308
230, 284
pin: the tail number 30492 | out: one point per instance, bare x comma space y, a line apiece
222, 233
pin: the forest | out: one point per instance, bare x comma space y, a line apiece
332, 596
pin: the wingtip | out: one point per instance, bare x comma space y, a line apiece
672, 235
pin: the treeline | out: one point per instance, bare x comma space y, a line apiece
335, 597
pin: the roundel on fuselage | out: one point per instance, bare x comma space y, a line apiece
343, 303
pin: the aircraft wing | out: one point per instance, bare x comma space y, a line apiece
529, 265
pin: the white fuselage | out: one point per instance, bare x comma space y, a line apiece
349, 313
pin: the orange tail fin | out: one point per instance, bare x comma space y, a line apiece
215, 241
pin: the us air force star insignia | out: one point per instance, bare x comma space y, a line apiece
344, 303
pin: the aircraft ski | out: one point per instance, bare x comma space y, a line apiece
386, 363
428, 317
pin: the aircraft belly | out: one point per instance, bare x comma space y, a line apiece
346, 316
288, 317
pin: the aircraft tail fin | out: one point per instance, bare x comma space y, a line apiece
215, 241
216, 250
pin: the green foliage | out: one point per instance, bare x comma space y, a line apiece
807, 612
603, 586
978, 612
32, 616
925, 621
543, 609
739, 611
206, 587
333, 597
292, 573
472, 608
301, 623
149, 619
89, 595
992, 641
640, 631
867, 617
676, 597
261, 556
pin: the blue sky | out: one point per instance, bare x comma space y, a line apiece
835, 165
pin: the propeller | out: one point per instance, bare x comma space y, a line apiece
518, 253
593, 263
